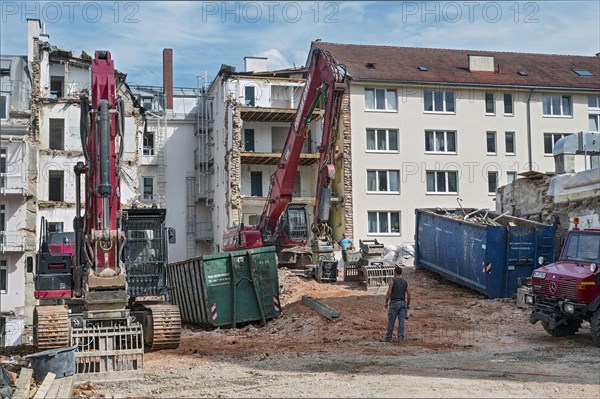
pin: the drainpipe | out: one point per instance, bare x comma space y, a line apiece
529, 157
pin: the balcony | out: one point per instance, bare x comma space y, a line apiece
11, 241
258, 114
272, 158
11, 184
204, 231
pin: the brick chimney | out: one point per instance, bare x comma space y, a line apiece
168, 77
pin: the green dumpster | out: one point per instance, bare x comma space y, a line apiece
226, 289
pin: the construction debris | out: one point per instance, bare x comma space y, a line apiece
24, 384
320, 307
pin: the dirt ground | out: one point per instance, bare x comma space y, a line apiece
458, 344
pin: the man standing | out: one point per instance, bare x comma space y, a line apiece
346, 244
398, 298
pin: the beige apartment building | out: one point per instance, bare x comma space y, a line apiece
425, 127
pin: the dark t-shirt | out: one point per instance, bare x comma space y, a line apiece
399, 286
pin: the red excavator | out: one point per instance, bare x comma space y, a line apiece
282, 223
102, 289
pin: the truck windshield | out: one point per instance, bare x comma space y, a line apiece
583, 247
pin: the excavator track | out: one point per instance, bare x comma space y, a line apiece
162, 325
51, 327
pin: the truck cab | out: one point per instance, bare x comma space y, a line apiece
566, 293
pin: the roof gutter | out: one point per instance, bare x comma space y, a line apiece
522, 87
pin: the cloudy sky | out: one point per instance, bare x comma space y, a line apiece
205, 35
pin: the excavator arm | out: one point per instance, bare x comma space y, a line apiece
326, 80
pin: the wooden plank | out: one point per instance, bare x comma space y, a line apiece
320, 307
23, 384
66, 387
46, 384
53, 391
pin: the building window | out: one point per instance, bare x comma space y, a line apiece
381, 99
594, 102
249, 96
57, 134
2, 167
490, 106
511, 177
4, 107
55, 227
382, 140
256, 189
490, 142
147, 103
148, 188
148, 143
509, 142
440, 141
384, 222
556, 105
492, 182
56, 86
550, 139
439, 101
56, 182
248, 139
508, 104
387, 181
3, 277
2, 217
442, 182
594, 123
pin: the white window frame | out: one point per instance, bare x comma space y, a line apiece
146, 149
561, 114
387, 107
435, 134
387, 140
4, 266
144, 195
514, 144
389, 220
62, 187
388, 191
596, 103
490, 173
6, 105
493, 103
446, 174
444, 102
512, 104
487, 150
51, 130
508, 176
549, 154
597, 118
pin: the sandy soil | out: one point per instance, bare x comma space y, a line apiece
459, 344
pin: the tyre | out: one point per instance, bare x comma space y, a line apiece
563, 330
595, 327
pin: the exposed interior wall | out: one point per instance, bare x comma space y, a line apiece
232, 161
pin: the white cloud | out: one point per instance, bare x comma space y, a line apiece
276, 59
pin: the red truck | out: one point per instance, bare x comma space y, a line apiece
566, 293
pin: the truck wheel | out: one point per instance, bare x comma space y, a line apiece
595, 327
563, 330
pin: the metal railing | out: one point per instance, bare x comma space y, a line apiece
11, 184
11, 241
